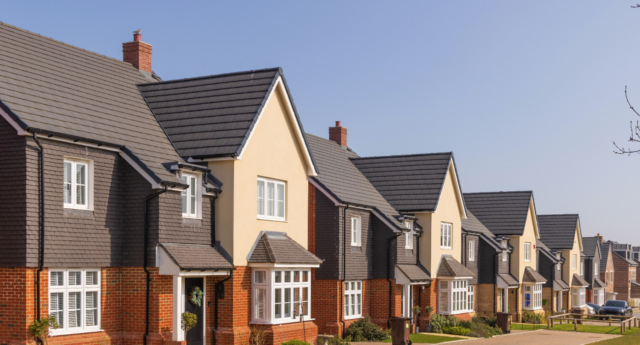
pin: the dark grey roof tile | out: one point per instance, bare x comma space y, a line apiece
415, 273
578, 281
558, 231
503, 213
278, 248
197, 257
532, 276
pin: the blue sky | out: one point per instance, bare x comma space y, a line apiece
528, 95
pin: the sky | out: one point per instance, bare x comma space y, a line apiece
528, 95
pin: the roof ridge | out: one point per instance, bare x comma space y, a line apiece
213, 75
503, 192
561, 214
407, 155
61, 42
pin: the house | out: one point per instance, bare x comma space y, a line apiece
625, 284
512, 216
426, 187
593, 255
636, 253
550, 266
561, 232
369, 249
129, 200
607, 270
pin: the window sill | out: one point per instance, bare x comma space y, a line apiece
280, 322
67, 207
539, 308
55, 333
273, 219
457, 312
445, 247
353, 317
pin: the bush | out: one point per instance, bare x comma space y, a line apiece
491, 321
456, 331
295, 342
439, 322
365, 330
531, 317
338, 341
484, 328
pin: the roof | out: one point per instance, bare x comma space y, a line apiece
546, 251
532, 276
415, 273
558, 231
561, 283
51, 87
590, 245
597, 283
214, 116
278, 248
338, 176
509, 279
504, 213
197, 257
605, 248
472, 224
409, 182
450, 267
628, 261
578, 281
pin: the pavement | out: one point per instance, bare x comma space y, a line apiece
543, 337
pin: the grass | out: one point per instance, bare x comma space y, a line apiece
428, 339
615, 330
527, 326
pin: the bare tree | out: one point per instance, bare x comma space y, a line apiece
635, 132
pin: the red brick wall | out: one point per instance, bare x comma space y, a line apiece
589, 296
338, 134
17, 297
621, 278
138, 54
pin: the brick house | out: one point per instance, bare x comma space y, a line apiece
561, 232
512, 216
607, 270
550, 266
625, 284
128, 200
592, 259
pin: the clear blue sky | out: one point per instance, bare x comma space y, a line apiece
527, 94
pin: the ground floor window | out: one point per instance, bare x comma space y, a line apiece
598, 296
281, 295
454, 297
532, 296
74, 300
353, 299
578, 297
470, 295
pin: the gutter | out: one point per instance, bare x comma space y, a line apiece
344, 266
389, 273
40, 225
213, 218
495, 280
146, 254
219, 287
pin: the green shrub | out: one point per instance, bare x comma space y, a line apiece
456, 331
465, 324
295, 342
531, 317
339, 341
365, 330
439, 322
39, 329
484, 328
491, 321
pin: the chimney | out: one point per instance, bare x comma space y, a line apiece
600, 238
137, 53
338, 134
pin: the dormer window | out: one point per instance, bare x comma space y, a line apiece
409, 235
77, 184
191, 196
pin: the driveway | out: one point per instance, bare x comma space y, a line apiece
543, 337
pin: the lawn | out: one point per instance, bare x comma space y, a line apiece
633, 332
630, 337
428, 339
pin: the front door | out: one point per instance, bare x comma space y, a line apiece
194, 336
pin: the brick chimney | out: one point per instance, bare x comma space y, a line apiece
600, 239
137, 53
338, 134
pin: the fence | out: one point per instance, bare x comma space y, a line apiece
626, 322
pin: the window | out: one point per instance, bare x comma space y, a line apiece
271, 199
532, 297
281, 295
596, 271
472, 250
352, 299
76, 184
356, 231
190, 196
408, 237
598, 296
574, 260
454, 297
578, 297
504, 256
445, 235
527, 251
558, 266
74, 300
582, 268
470, 297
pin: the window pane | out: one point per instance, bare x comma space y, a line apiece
287, 276
192, 189
56, 307
305, 276
287, 302
296, 304
270, 199
278, 276
91, 308
296, 276
281, 200
260, 277
57, 279
347, 286
444, 301
305, 301
359, 285
67, 183
184, 196
359, 301
260, 306
75, 306
81, 188
278, 303
353, 304
261, 198
92, 278
75, 278
443, 284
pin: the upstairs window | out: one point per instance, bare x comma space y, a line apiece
356, 231
271, 199
527, 251
190, 196
76, 187
574, 260
582, 268
74, 300
504, 256
596, 271
408, 237
445, 235
472, 250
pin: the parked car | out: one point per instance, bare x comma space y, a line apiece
614, 307
590, 310
596, 307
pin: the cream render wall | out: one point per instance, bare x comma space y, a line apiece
530, 235
273, 151
568, 255
450, 210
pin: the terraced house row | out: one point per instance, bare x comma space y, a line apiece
127, 200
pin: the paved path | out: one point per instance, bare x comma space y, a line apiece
543, 337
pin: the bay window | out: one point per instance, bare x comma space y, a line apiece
445, 235
352, 299
190, 196
76, 184
454, 297
271, 199
532, 296
598, 296
470, 295
578, 299
281, 295
74, 300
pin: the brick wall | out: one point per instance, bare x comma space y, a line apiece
138, 54
17, 304
621, 278
486, 303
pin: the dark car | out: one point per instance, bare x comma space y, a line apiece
614, 307
596, 307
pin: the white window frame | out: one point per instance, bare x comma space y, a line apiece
472, 250
192, 194
574, 264
471, 297
580, 293
83, 288
272, 287
454, 293
73, 185
596, 270
352, 299
279, 206
535, 298
527, 251
582, 269
408, 237
356, 231
504, 256
446, 235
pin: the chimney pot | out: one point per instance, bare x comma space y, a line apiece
338, 124
137, 53
338, 134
